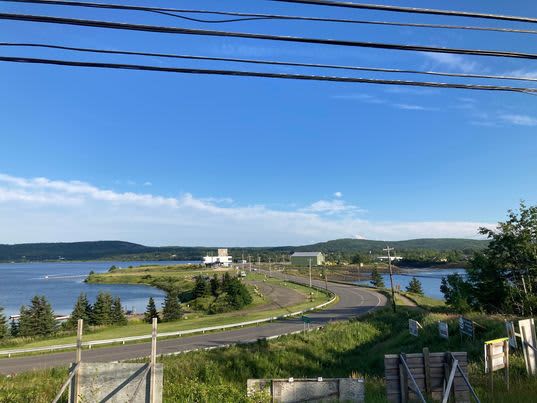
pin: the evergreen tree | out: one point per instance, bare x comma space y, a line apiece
215, 286
201, 288
14, 328
415, 286
102, 310
226, 279
376, 279
171, 309
151, 311
238, 295
81, 310
37, 319
3, 324
117, 315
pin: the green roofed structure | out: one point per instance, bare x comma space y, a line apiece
304, 258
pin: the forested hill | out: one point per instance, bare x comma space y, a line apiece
363, 245
130, 251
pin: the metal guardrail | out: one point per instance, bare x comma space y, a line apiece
124, 340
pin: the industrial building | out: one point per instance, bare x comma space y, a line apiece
222, 259
304, 258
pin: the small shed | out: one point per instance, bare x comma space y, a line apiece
304, 258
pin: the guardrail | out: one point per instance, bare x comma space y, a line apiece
123, 340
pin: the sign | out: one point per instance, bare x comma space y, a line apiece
443, 330
466, 326
496, 354
413, 326
528, 340
305, 319
510, 327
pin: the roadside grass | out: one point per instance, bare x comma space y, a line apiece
195, 320
339, 350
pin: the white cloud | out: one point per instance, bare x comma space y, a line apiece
148, 183
456, 62
41, 209
519, 120
338, 194
411, 107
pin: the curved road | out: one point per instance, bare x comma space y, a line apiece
353, 301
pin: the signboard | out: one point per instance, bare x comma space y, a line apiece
305, 319
466, 326
413, 326
529, 344
443, 330
510, 327
496, 354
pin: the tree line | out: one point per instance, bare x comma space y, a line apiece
38, 318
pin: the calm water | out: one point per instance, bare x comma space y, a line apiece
430, 279
61, 283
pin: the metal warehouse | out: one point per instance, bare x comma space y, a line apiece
304, 258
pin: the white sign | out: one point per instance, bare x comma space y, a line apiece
496, 354
528, 340
443, 330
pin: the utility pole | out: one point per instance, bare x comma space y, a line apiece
388, 249
269, 267
325, 279
258, 260
250, 262
310, 272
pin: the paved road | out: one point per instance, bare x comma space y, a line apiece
353, 301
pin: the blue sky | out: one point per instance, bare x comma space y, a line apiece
165, 159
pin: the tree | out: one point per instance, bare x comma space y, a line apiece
37, 319
14, 328
238, 295
376, 279
117, 315
171, 309
201, 288
81, 310
504, 276
3, 324
102, 310
151, 311
215, 286
415, 286
226, 279
456, 292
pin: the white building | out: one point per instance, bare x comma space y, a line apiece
222, 259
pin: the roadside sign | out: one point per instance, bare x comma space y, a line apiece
497, 357
466, 326
510, 327
305, 319
443, 330
413, 327
528, 340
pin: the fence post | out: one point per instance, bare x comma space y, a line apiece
153, 360
79, 331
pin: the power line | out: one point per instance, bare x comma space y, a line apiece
267, 62
266, 75
245, 35
411, 10
173, 12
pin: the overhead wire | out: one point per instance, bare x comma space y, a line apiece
174, 12
246, 35
411, 10
268, 62
238, 73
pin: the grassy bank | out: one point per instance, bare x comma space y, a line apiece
194, 320
339, 350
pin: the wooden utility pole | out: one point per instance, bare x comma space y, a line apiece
79, 331
310, 272
388, 249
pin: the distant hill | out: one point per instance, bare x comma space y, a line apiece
350, 245
111, 250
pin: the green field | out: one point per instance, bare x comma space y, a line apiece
193, 320
340, 350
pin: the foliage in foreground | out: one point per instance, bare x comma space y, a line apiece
337, 351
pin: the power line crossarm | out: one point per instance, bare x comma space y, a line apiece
318, 41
